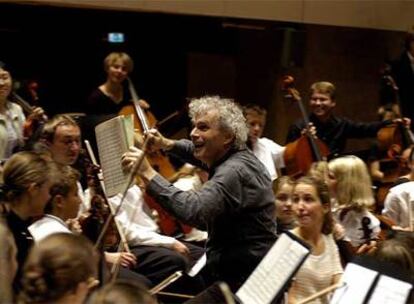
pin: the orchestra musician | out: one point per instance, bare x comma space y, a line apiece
111, 96
8, 262
376, 155
354, 199
236, 204
27, 179
400, 197
285, 216
12, 118
63, 205
107, 100
331, 129
322, 268
61, 268
266, 150
60, 216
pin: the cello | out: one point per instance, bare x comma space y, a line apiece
301, 153
395, 140
143, 122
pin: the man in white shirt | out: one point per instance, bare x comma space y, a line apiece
397, 205
266, 150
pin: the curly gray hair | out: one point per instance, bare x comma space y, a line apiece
230, 116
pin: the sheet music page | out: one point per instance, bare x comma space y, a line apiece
276, 268
112, 143
357, 283
390, 291
128, 123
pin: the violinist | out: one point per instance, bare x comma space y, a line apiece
266, 150
158, 256
236, 204
353, 200
60, 216
12, 118
331, 129
61, 208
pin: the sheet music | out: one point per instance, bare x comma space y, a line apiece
390, 291
357, 283
273, 272
113, 141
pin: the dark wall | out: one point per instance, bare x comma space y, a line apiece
186, 56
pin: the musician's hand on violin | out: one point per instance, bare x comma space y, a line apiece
138, 139
38, 114
134, 155
126, 259
180, 248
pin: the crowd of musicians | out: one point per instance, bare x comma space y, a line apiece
64, 241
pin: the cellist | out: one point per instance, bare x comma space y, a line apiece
111, 96
331, 129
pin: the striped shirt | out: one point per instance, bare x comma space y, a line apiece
317, 273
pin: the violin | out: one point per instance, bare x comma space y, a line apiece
300, 154
32, 128
98, 212
143, 122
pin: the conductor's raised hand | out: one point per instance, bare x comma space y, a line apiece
157, 141
135, 157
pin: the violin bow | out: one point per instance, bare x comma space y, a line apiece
111, 209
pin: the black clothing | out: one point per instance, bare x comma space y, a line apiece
23, 240
100, 108
336, 131
404, 77
100, 104
235, 205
